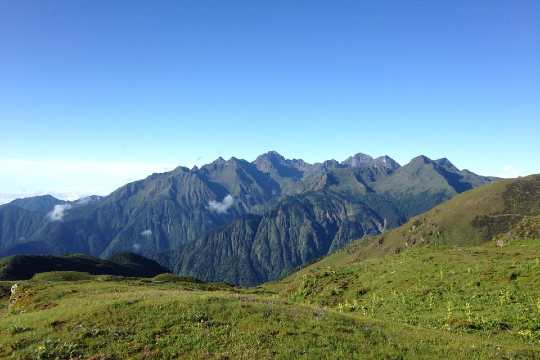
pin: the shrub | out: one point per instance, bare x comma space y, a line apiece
18, 329
62, 276
168, 278
51, 349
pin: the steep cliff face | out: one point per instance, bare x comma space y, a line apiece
302, 228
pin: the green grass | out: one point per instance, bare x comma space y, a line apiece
485, 290
171, 278
386, 308
62, 276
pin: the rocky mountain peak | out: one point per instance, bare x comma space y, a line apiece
421, 160
272, 155
387, 162
358, 160
445, 163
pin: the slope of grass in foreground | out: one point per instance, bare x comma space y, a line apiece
111, 318
485, 290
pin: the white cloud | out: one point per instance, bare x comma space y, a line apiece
223, 206
146, 233
58, 213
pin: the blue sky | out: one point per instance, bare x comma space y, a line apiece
94, 93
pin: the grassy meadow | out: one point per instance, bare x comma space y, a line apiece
425, 303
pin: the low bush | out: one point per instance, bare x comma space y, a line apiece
62, 276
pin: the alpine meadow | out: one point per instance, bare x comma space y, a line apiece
281, 179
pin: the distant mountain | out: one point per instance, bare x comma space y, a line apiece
377, 193
42, 204
424, 183
360, 197
254, 249
23, 267
379, 167
173, 215
157, 214
17, 225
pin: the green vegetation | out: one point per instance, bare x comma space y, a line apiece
106, 318
62, 276
484, 290
171, 278
505, 210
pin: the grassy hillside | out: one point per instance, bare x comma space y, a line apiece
469, 266
108, 318
504, 210
483, 290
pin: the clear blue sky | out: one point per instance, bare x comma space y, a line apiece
94, 93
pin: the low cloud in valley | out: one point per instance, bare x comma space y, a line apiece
58, 212
221, 207
146, 233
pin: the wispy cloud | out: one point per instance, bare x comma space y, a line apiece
58, 212
221, 207
146, 233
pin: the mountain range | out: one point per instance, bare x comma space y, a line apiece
237, 221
